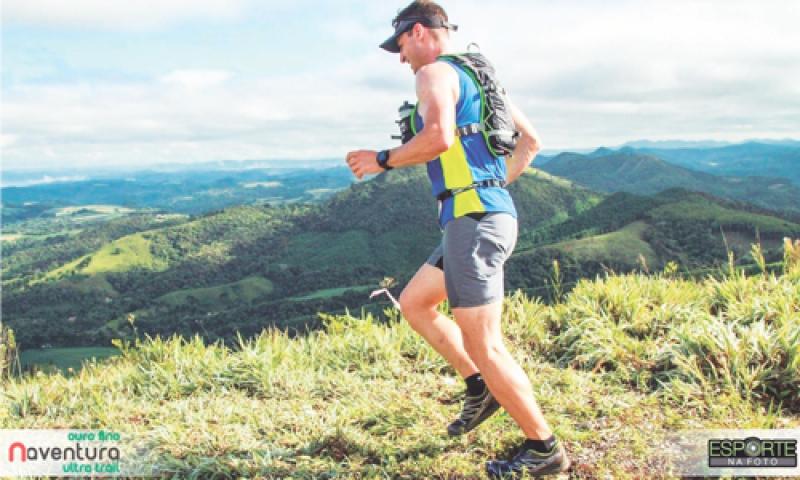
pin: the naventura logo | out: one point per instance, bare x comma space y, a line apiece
66, 453
86, 458
752, 452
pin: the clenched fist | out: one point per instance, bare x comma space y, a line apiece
363, 162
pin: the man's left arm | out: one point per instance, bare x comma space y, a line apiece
528, 145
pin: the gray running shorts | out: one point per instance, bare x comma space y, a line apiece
472, 255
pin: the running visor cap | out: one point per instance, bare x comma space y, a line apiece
403, 25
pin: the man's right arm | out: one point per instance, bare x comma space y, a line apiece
528, 145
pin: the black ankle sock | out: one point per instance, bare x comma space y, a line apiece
541, 446
475, 384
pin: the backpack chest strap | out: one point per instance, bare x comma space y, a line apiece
492, 182
470, 129
474, 128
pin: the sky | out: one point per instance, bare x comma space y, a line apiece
89, 83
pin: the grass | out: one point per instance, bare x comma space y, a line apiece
560, 181
621, 362
331, 292
89, 284
622, 246
123, 254
244, 290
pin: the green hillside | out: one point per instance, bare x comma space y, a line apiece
333, 292
249, 267
613, 212
636, 172
621, 362
385, 227
403, 197
627, 232
46, 246
121, 255
694, 207
245, 290
620, 246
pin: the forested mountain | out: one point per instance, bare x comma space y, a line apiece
761, 158
631, 232
751, 159
288, 261
247, 267
630, 170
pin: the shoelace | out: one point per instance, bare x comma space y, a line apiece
471, 407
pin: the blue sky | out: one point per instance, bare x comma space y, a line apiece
98, 82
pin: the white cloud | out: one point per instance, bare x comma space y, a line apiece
189, 115
195, 79
588, 73
591, 72
117, 15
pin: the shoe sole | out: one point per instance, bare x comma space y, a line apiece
563, 471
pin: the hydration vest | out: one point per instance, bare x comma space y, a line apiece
496, 125
469, 177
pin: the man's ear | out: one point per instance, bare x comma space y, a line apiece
417, 30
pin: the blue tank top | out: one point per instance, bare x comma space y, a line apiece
468, 160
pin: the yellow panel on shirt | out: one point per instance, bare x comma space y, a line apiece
457, 174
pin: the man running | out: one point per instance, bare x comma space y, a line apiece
480, 231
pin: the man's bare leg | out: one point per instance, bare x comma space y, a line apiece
508, 382
418, 304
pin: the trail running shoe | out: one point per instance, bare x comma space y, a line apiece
531, 462
477, 408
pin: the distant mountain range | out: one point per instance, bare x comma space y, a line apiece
12, 177
748, 159
647, 172
753, 159
190, 191
672, 144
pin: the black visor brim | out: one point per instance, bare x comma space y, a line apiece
402, 26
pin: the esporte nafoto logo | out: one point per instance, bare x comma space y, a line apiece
752, 452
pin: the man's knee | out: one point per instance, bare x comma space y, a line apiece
482, 348
411, 302
406, 300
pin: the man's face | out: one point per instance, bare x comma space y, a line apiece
410, 48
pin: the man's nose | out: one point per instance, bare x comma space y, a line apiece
402, 58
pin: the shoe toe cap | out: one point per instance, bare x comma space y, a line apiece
497, 468
456, 428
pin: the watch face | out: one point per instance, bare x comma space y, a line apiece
383, 157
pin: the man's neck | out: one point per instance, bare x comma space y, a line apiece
442, 48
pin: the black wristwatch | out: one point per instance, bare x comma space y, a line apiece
383, 159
